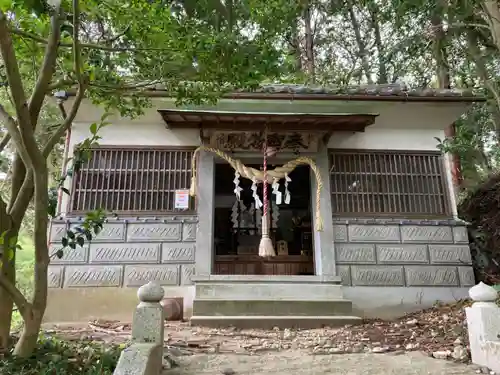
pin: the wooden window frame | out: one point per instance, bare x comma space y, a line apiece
440, 173
193, 204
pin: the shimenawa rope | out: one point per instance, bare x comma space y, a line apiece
250, 173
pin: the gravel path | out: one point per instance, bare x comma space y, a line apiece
298, 362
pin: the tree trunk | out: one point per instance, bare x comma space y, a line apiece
8, 269
382, 66
363, 54
444, 80
29, 336
492, 9
309, 39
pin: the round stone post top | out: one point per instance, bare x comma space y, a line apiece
150, 292
483, 293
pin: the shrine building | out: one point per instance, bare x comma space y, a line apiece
360, 203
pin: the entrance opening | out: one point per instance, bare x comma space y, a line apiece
238, 227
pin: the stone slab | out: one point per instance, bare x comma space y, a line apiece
178, 252
340, 233
460, 235
187, 272
450, 254
402, 254
106, 253
189, 231
345, 274
167, 274
154, 232
272, 322
57, 232
93, 276
77, 255
55, 276
250, 307
466, 276
354, 253
431, 276
426, 233
373, 233
377, 276
111, 232
268, 291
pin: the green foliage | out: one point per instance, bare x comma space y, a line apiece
54, 356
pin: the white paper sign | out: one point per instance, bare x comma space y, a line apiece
181, 199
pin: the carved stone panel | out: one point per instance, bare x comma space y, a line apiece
377, 275
92, 276
354, 253
167, 274
154, 232
70, 256
345, 274
178, 252
401, 254
423, 233
455, 254
55, 276
189, 231
111, 232
460, 235
340, 233
187, 271
466, 276
373, 233
57, 231
431, 276
125, 253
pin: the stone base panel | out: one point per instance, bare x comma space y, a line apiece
412, 254
128, 253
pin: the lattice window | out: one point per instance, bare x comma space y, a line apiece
132, 179
374, 183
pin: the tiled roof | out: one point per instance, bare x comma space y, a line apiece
366, 92
382, 90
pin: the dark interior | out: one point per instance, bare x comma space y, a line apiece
240, 244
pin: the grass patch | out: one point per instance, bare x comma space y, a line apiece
25, 260
54, 356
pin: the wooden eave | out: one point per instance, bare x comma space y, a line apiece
213, 120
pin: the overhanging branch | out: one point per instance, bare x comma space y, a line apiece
39, 39
48, 66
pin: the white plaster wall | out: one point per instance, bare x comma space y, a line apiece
380, 138
129, 134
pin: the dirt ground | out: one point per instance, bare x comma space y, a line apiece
433, 341
303, 363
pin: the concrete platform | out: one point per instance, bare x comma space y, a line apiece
271, 307
262, 301
270, 322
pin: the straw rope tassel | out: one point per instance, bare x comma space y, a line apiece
266, 244
250, 173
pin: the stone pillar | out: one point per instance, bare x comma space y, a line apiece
206, 207
147, 325
483, 321
324, 254
145, 355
